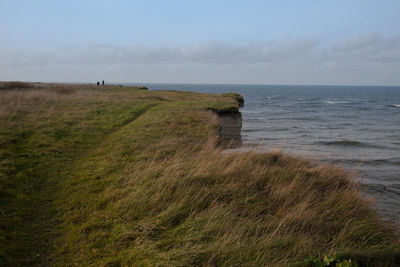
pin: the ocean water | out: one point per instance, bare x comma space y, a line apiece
357, 127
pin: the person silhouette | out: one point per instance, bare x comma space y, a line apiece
103, 82
98, 83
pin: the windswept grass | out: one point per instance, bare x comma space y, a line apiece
122, 176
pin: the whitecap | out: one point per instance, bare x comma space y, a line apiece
335, 102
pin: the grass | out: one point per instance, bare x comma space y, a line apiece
117, 176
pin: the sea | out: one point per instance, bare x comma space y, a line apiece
356, 127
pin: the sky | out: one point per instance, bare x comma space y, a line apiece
330, 42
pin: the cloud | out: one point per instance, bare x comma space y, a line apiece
362, 59
369, 48
206, 52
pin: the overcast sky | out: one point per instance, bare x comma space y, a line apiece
349, 42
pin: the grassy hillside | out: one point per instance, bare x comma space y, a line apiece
113, 176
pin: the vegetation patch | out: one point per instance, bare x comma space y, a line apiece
120, 176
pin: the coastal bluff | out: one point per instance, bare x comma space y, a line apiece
230, 123
119, 176
230, 128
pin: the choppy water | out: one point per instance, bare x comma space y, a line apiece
356, 127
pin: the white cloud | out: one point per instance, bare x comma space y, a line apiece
370, 48
363, 59
212, 52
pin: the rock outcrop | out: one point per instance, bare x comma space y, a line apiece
230, 127
230, 123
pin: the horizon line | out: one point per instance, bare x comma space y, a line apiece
197, 83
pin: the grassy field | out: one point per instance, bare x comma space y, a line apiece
119, 176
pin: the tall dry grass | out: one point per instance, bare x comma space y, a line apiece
198, 206
114, 176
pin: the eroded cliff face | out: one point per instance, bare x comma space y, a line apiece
230, 123
230, 128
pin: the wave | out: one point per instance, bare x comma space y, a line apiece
395, 105
368, 162
309, 118
348, 143
263, 130
343, 143
335, 102
363, 108
251, 130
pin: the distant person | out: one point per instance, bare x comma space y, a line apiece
98, 83
103, 82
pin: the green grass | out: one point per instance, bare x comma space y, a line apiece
115, 176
